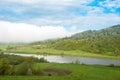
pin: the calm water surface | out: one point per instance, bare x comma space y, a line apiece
72, 59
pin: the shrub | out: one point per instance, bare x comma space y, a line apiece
25, 68
5, 67
37, 71
43, 60
22, 69
111, 65
77, 62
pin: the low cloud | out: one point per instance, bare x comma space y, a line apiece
21, 32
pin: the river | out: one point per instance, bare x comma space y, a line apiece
71, 59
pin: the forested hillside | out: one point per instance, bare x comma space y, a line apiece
104, 41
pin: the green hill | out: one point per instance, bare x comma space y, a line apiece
104, 41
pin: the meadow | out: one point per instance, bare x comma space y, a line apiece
78, 72
51, 51
56, 71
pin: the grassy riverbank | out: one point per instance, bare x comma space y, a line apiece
78, 72
52, 51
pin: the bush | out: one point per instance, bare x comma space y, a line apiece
43, 60
5, 67
77, 62
25, 68
18, 65
37, 71
16, 60
22, 69
111, 65
13, 59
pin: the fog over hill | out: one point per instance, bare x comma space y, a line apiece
21, 32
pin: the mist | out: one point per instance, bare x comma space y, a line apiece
22, 32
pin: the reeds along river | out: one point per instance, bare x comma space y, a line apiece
72, 59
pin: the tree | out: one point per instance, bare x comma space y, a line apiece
22, 68
5, 67
25, 67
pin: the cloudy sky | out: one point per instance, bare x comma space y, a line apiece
34, 20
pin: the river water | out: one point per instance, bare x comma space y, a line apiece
72, 59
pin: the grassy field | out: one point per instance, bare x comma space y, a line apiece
78, 72
52, 51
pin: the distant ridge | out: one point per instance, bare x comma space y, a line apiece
104, 41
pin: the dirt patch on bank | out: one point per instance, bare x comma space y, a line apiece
57, 72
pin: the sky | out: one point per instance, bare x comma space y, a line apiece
35, 20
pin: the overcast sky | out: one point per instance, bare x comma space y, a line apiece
34, 20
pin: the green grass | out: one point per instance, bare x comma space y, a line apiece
79, 72
3, 47
52, 51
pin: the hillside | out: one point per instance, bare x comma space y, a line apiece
104, 41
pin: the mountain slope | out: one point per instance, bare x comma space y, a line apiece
104, 41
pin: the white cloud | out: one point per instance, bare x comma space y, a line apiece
73, 13
21, 32
55, 2
97, 20
91, 20
43, 7
38, 1
110, 4
95, 11
73, 28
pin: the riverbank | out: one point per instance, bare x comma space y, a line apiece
78, 72
52, 51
